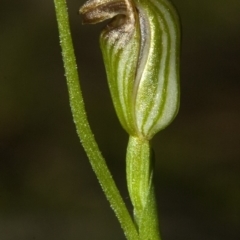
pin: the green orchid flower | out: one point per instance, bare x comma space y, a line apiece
140, 47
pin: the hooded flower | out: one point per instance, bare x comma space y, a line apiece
140, 47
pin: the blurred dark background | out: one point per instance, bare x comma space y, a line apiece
47, 188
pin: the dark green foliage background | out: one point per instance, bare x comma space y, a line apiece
47, 188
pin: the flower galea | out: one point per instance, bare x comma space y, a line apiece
140, 47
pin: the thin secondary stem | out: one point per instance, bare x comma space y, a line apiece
139, 169
83, 129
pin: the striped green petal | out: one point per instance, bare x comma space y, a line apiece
157, 95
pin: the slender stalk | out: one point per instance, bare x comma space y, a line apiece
141, 189
83, 129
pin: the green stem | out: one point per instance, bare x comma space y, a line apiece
141, 189
83, 129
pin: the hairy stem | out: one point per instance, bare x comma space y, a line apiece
83, 129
